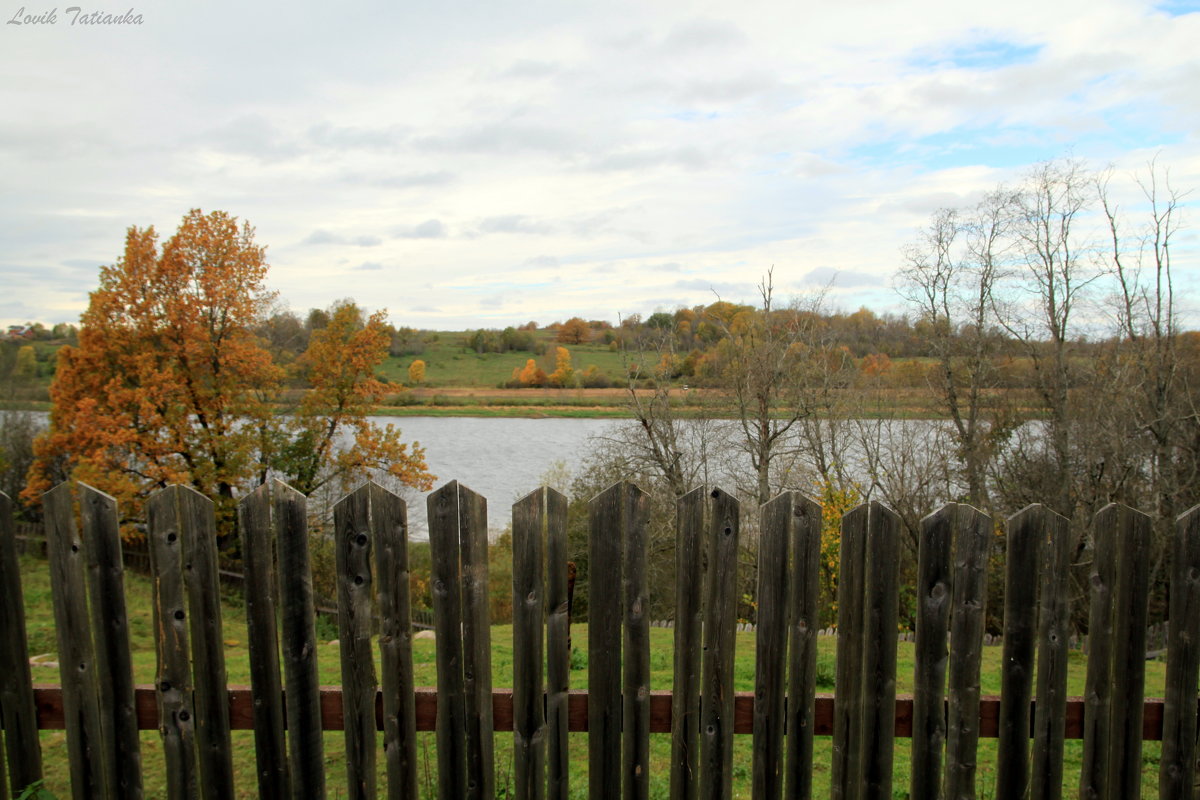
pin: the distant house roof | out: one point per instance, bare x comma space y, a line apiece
19, 332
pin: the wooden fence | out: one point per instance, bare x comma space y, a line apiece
191, 705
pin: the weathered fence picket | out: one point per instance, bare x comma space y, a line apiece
720, 617
110, 628
182, 534
1112, 744
17, 710
77, 667
190, 702
770, 684
618, 688
1054, 618
789, 553
389, 524
972, 543
352, 547
951, 592
1177, 767
539, 522
558, 645
935, 582
259, 562
1026, 532
173, 679
804, 601
306, 752
689, 616
458, 544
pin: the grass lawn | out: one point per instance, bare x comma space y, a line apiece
40, 622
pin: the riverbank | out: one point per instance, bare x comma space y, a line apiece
611, 403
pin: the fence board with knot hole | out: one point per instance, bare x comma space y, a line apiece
195, 711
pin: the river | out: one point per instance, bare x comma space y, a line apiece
500, 458
504, 458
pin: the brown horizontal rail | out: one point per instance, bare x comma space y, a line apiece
50, 712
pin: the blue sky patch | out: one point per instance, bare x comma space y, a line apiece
982, 55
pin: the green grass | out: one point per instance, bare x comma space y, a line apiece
449, 363
40, 629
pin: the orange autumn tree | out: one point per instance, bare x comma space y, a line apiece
168, 384
340, 365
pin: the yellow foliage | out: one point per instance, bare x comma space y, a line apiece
835, 503
563, 375
416, 371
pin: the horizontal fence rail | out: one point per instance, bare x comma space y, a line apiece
194, 709
49, 712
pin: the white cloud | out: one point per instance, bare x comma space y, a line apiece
653, 150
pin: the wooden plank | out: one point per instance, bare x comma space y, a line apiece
1133, 531
606, 542
804, 620
477, 645
635, 684
881, 612
298, 640
1022, 546
846, 780
172, 650
972, 542
529, 722
935, 593
49, 703
17, 709
689, 582
389, 523
1054, 629
110, 627
197, 528
720, 616
259, 565
771, 640
352, 549
76, 665
558, 650
1177, 767
1093, 779
446, 582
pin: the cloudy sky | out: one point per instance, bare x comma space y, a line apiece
487, 163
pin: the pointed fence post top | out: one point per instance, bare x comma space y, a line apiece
943, 516
261, 494
884, 512
801, 504
182, 493
621, 489
1117, 513
962, 513
541, 494
1189, 517
56, 494
360, 492
90, 494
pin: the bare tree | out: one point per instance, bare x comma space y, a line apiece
775, 371
1155, 402
1042, 293
950, 277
